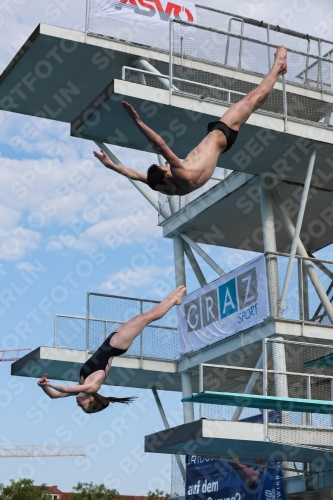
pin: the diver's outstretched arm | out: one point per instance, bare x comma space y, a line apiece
43, 383
154, 139
131, 173
69, 390
127, 332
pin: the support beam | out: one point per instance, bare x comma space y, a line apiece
187, 392
142, 63
139, 186
249, 388
297, 231
203, 254
280, 380
303, 253
194, 264
167, 426
267, 216
178, 251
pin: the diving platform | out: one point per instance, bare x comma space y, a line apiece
233, 440
142, 371
74, 77
262, 402
229, 214
127, 371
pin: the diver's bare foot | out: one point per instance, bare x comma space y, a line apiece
281, 60
179, 294
172, 294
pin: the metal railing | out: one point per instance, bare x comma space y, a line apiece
136, 33
104, 314
157, 77
263, 65
311, 281
288, 371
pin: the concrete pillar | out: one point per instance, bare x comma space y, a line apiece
187, 391
267, 216
178, 251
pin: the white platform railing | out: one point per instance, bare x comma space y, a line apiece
105, 313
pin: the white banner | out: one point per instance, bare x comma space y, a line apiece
153, 13
230, 304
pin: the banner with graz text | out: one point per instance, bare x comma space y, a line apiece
224, 307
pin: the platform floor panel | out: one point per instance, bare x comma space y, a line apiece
229, 215
262, 145
127, 371
57, 73
262, 402
60, 74
222, 439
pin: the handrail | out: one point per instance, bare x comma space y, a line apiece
262, 24
122, 297
249, 39
124, 68
151, 325
276, 372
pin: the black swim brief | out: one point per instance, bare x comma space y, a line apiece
230, 134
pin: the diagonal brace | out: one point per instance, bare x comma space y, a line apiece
297, 230
194, 264
137, 184
287, 222
167, 426
203, 254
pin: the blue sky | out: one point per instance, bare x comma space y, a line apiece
86, 229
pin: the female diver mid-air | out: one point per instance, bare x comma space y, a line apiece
96, 369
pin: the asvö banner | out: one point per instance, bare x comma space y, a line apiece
153, 13
230, 304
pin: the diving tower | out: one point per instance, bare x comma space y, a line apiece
270, 194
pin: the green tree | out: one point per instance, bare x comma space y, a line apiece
90, 491
154, 495
23, 489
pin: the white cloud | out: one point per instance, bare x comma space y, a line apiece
8, 218
16, 242
152, 281
60, 189
136, 227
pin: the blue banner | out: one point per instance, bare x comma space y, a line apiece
210, 479
230, 304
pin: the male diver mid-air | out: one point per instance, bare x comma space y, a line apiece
178, 177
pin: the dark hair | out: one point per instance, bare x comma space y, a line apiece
156, 177
100, 402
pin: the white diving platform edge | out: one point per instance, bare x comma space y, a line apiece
262, 402
225, 439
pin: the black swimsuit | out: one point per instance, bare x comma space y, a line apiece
100, 359
230, 134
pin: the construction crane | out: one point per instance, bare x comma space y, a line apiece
8, 355
36, 451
